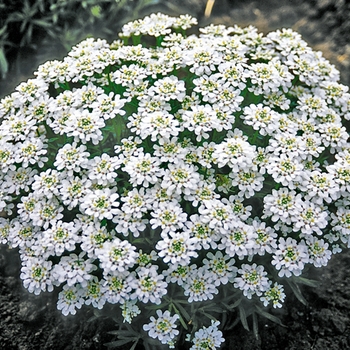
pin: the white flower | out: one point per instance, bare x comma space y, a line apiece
73, 190
200, 119
169, 88
108, 106
312, 218
282, 205
198, 161
321, 187
71, 158
264, 240
102, 169
158, 124
129, 75
47, 183
100, 204
136, 202
222, 266
285, 170
169, 216
163, 328
202, 59
265, 78
238, 239
149, 285
31, 151
73, 269
217, 214
178, 248
94, 293
129, 222
5, 228
118, 287
206, 236
19, 179
143, 169
248, 181
341, 221
60, 236
275, 294
290, 257
199, 285
177, 273
205, 191
45, 212
22, 234
180, 178
85, 126
207, 338
318, 251
251, 280
234, 152
261, 118
116, 256
129, 310
36, 275
7, 156
70, 299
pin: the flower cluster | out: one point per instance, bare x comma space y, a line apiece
175, 167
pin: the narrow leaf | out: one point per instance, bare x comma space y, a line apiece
183, 311
307, 282
134, 345
243, 317
119, 342
255, 326
270, 317
3, 64
296, 290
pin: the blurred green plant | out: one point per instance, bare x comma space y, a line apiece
28, 24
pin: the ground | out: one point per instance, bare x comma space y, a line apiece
29, 322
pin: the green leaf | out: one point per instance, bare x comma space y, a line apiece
243, 317
3, 64
183, 311
210, 316
255, 326
307, 282
41, 23
296, 290
134, 345
120, 342
270, 317
235, 304
182, 321
121, 332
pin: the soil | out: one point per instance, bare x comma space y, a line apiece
29, 322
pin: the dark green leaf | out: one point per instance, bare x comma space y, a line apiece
307, 282
119, 342
3, 64
183, 311
270, 317
243, 317
296, 290
255, 326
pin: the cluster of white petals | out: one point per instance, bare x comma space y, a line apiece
202, 163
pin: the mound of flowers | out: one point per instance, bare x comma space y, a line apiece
181, 177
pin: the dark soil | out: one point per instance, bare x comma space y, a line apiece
29, 322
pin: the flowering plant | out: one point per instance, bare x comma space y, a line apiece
191, 175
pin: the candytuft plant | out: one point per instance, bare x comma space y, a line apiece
184, 179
